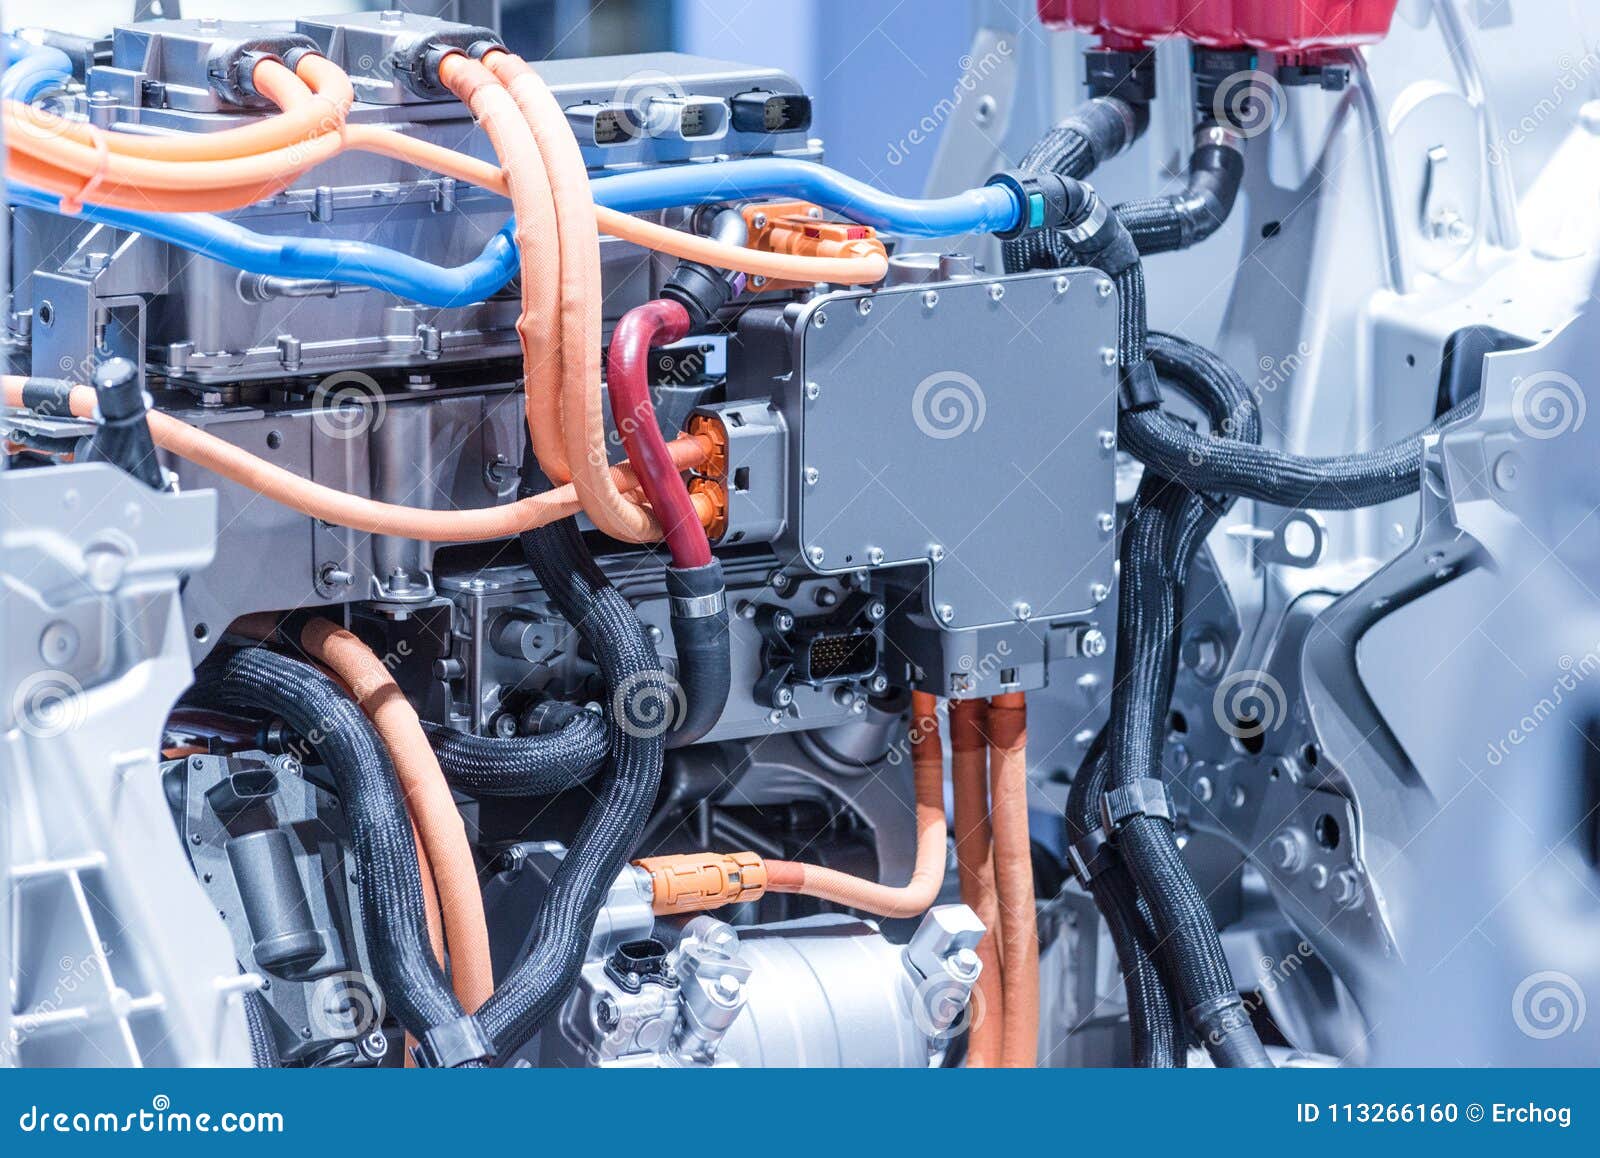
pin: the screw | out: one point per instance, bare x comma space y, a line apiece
1347, 891
878, 684
333, 575
864, 306
930, 298
1103, 288
1099, 592
875, 555
812, 475
1091, 643
1203, 789
819, 319
1061, 284
775, 716
729, 987
759, 221
935, 552
813, 391
996, 292
783, 697
783, 621
946, 613
1108, 357
1023, 611
1108, 439
963, 963
1106, 521
876, 610
815, 554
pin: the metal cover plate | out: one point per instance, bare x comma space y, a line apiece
963, 425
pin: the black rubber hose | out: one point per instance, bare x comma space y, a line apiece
1156, 1027
403, 965
1333, 483
638, 713
263, 1046
1091, 135
1162, 224
699, 618
539, 765
1149, 968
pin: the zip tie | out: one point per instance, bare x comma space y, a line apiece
1144, 797
73, 203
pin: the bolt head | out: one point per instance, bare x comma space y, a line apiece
876, 610
1108, 357
813, 391
1092, 643
815, 554
812, 474
875, 555
1103, 288
1108, 439
1106, 521
946, 613
783, 697
783, 621
878, 684
864, 306
1099, 592
996, 292
935, 552
1023, 611
1061, 284
930, 298
819, 319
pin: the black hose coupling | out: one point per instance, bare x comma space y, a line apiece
122, 436
1049, 201
452, 1044
698, 610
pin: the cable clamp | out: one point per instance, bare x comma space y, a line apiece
699, 606
1144, 797
1139, 387
453, 1043
1089, 856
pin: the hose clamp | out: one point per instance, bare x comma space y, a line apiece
1089, 856
1093, 222
453, 1043
699, 606
1219, 135
1144, 797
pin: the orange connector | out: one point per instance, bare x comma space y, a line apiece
797, 228
704, 880
713, 436
710, 501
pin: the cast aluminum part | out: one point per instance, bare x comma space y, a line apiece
824, 991
110, 950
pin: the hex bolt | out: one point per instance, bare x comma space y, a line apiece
963, 963
1091, 643
1288, 852
1347, 890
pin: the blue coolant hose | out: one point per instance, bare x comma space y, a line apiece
361, 263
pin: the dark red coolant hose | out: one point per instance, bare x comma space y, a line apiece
655, 323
